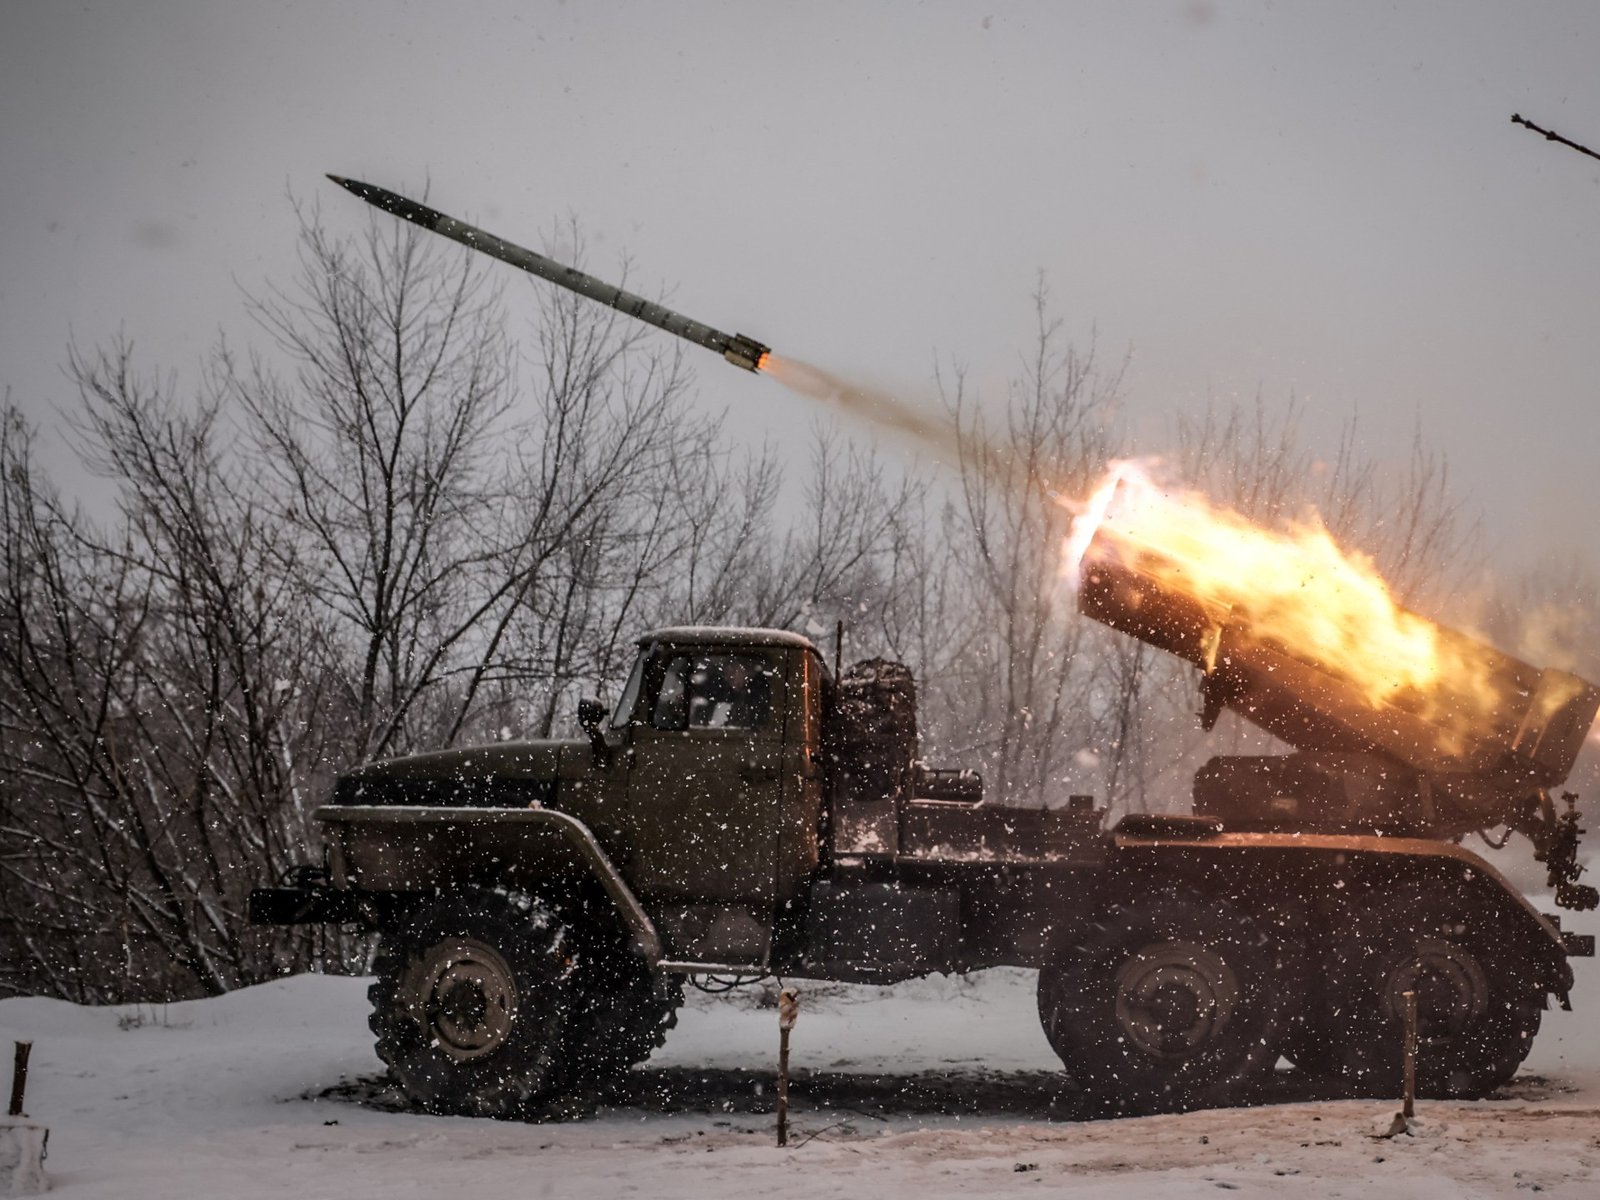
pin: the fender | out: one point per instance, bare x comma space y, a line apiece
426, 847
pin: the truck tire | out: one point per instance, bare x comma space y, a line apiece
1477, 1007
624, 1009
473, 1002
1175, 1002
873, 729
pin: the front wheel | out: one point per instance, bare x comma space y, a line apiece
1175, 1002
473, 1002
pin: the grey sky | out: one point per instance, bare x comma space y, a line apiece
1326, 200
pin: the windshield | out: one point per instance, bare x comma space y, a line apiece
714, 691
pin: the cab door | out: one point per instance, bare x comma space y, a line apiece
704, 788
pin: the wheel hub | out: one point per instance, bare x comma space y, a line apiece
464, 1005
1175, 998
467, 997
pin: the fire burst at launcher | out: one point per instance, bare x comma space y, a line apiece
1400, 724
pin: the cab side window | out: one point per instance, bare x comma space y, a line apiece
671, 710
714, 691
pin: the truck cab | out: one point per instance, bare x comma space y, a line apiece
714, 756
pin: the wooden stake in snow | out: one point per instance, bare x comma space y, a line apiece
788, 1011
1410, 1102
1404, 1120
22, 1142
19, 1078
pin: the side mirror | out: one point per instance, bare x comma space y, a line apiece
591, 716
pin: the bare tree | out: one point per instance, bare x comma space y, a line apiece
456, 528
1023, 680
381, 446
829, 562
617, 494
722, 508
397, 545
157, 743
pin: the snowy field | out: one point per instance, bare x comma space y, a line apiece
938, 1088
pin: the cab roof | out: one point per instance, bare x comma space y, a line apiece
726, 635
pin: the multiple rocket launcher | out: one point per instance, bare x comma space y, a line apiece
1481, 750
1531, 735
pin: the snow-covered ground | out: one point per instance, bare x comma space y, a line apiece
240, 1097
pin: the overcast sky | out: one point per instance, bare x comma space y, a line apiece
1320, 200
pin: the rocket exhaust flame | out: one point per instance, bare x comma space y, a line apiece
1090, 515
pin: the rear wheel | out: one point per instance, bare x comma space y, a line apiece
472, 1005
1477, 1007
1176, 1002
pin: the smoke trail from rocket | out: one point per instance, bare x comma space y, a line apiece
937, 432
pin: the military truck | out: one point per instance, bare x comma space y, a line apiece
742, 810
